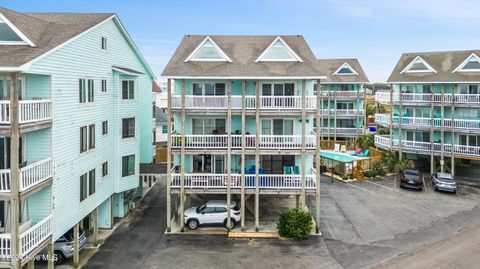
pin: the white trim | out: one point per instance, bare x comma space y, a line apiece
272, 83
125, 72
345, 65
219, 50
433, 82
248, 77
343, 82
462, 65
289, 50
430, 69
26, 40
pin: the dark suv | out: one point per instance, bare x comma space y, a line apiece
411, 179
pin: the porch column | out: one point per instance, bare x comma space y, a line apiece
31, 264
317, 163
391, 118
452, 168
14, 173
357, 116
400, 119
328, 111
242, 194
229, 151
442, 131
321, 112
169, 155
335, 113
365, 117
51, 254
182, 163
432, 108
76, 247
95, 228
302, 169
257, 155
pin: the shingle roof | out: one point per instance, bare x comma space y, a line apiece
46, 31
444, 62
330, 66
243, 51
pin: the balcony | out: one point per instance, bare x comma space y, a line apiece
384, 98
30, 112
220, 182
418, 146
414, 122
271, 142
30, 240
342, 112
266, 102
344, 94
346, 132
31, 176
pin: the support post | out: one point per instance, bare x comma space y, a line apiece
303, 168
31, 264
400, 119
169, 155
76, 246
182, 163
229, 152
329, 110
257, 155
14, 173
321, 112
452, 168
242, 194
365, 117
357, 116
432, 108
442, 130
335, 113
95, 228
51, 254
391, 118
317, 164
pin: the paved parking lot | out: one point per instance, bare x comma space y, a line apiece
362, 223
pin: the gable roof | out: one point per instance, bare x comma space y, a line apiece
282, 47
243, 51
444, 62
468, 65
202, 47
331, 66
418, 65
49, 31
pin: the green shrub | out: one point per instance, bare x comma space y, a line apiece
295, 224
369, 173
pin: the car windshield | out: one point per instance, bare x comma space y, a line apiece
411, 173
200, 208
447, 179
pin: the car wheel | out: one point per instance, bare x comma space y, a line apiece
232, 223
192, 224
58, 257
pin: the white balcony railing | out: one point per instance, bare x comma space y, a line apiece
385, 142
29, 111
342, 112
35, 236
342, 131
30, 175
266, 141
344, 94
427, 122
384, 97
220, 181
266, 102
29, 240
35, 173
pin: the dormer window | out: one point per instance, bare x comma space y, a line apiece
208, 50
345, 70
10, 35
279, 51
418, 65
471, 64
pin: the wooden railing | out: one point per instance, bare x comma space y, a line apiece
343, 112
266, 141
220, 181
35, 236
330, 144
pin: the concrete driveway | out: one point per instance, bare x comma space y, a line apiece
363, 224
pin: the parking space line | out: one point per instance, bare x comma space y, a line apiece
358, 187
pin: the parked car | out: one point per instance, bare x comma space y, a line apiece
411, 179
444, 182
213, 212
63, 247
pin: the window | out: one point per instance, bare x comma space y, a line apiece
277, 127
91, 182
104, 43
104, 169
128, 165
278, 50
208, 126
208, 163
128, 127
348, 106
346, 87
104, 85
345, 69
279, 89
86, 90
471, 64
104, 127
418, 65
207, 51
154, 111
8, 35
87, 137
83, 187
164, 129
128, 89
208, 89
91, 136
83, 139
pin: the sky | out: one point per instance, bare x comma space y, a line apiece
376, 32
